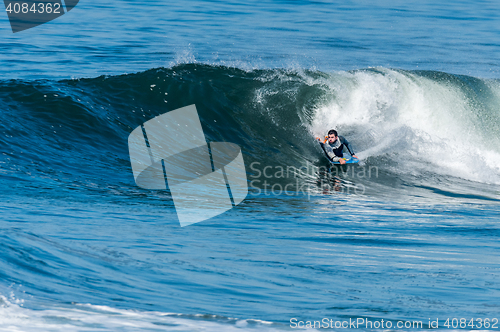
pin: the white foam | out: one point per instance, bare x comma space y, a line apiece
87, 317
430, 125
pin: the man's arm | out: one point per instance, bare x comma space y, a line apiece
346, 143
330, 154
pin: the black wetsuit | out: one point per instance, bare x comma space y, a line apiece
335, 150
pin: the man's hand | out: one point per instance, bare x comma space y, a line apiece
342, 161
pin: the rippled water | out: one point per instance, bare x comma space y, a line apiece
409, 234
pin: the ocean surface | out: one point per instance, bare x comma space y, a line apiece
410, 234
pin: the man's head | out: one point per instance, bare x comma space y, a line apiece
332, 136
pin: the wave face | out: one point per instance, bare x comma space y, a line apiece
420, 129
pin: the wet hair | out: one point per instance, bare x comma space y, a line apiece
334, 132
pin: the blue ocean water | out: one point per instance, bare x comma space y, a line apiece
408, 235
